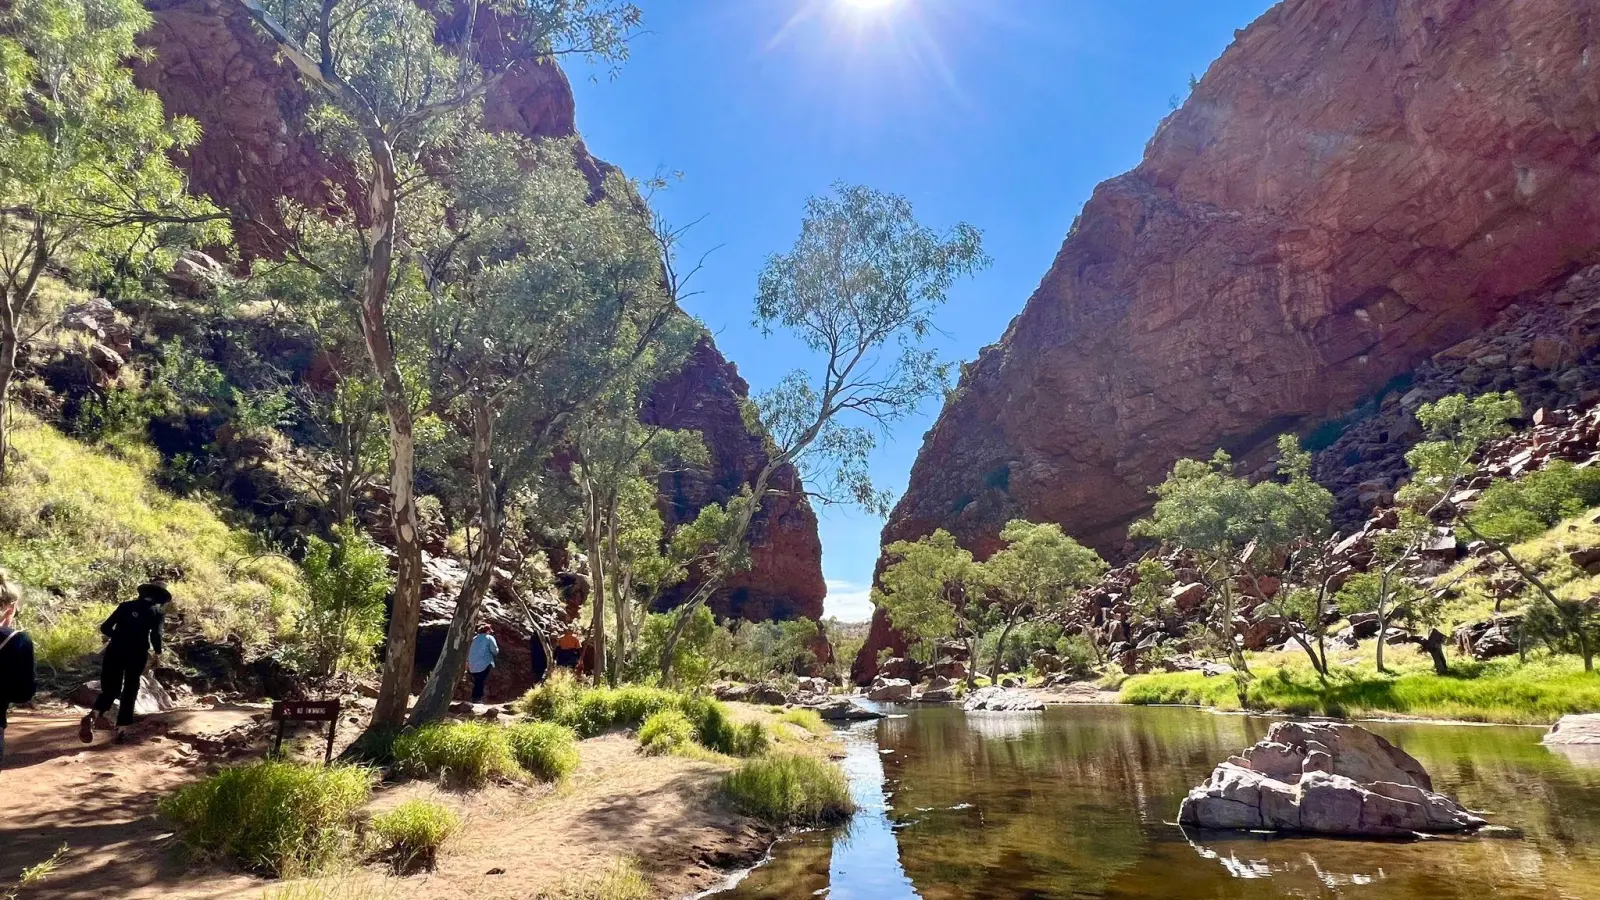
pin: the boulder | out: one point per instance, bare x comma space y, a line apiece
841, 709
901, 668
999, 699
1324, 778
1489, 638
1188, 597
153, 697
891, 690
1575, 730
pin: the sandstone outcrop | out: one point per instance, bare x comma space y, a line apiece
1350, 189
1574, 730
1000, 699
209, 63
1324, 778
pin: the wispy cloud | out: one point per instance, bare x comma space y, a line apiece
848, 601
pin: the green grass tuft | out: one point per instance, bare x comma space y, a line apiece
412, 833
783, 790
591, 711
278, 818
545, 750
468, 754
807, 720
621, 880
665, 732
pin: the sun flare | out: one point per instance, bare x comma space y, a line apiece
867, 6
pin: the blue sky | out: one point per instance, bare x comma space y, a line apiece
1002, 113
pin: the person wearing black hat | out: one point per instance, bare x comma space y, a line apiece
133, 628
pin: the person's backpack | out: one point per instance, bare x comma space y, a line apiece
14, 691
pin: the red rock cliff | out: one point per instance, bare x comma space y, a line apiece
1352, 187
210, 64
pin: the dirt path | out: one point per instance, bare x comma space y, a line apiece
519, 841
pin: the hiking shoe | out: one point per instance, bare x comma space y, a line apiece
121, 738
86, 729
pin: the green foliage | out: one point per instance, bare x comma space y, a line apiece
1567, 624
278, 818
693, 663
790, 791
83, 528
470, 754
665, 731
1514, 511
591, 711
68, 639
760, 650
87, 181
1154, 587
36, 874
414, 832
921, 591
1457, 427
1036, 574
545, 750
347, 582
1204, 507
1502, 690
620, 880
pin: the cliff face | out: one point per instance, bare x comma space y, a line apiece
785, 577
1352, 187
210, 64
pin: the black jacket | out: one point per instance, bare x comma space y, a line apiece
16, 670
133, 627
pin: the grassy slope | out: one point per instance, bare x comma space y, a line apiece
79, 528
1502, 690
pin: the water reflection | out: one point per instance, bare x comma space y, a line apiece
1079, 802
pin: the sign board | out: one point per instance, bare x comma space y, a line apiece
285, 711
305, 711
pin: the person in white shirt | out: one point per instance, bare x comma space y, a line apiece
480, 659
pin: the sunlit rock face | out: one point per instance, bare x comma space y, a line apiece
1352, 187
210, 64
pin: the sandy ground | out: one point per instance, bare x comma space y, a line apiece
519, 841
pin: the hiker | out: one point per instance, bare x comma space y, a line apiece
16, 659
480, 659
569, 649
133, 628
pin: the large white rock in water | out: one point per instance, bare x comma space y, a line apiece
999, 699
1324, 778
1575, 730
891, 690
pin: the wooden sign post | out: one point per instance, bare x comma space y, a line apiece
306, 711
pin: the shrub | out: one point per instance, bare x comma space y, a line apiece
67, 638
279, 818
1512, 511
413, 832
790, 791
545, 750
591, 711
665, 731
346, 584
466, 753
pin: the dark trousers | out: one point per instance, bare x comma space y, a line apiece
478, 681
119, 682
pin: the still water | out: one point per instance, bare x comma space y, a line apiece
1077, 802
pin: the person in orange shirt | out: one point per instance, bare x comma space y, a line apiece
569, 649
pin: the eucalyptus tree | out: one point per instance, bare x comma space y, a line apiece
85, 179
933, 592
1226, 521
396, 85
858, 290
547, 307
616, 460
1035, 574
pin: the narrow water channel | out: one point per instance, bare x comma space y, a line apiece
1077, 802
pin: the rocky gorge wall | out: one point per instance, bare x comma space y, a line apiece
210, 64
1352, 187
